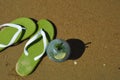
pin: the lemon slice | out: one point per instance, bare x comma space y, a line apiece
60, 56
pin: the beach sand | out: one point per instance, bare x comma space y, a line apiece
92, 28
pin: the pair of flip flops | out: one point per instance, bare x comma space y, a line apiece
40, 34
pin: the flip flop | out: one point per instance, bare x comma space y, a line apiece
16, 31
35, 48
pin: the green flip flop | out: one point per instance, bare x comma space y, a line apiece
16, 31
35, 48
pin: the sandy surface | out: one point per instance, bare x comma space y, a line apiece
95, 23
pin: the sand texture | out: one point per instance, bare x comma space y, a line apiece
92, 28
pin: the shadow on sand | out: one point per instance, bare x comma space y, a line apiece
77, 48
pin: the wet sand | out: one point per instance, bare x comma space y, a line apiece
91, 22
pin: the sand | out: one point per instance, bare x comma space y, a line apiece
95, 23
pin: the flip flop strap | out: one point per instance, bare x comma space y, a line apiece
35, 37
14, 36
